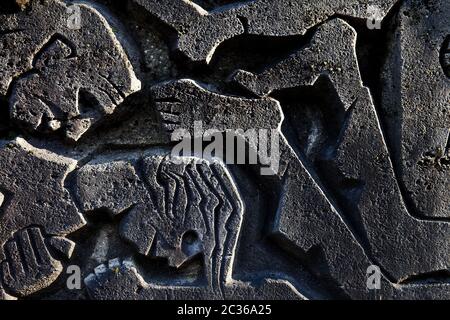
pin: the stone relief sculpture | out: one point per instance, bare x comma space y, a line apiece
363, 150
62, 78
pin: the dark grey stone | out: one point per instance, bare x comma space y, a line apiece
205, 221
60, 77
200, 32
416, 101
360, 117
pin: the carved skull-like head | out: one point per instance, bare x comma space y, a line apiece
61, 75
178, 208
192, 207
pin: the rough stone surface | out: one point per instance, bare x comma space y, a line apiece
416, 102
206, 221
32, 181
200, 32
62, 76
360, 117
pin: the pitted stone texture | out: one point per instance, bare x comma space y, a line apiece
308, 217
416, 100
29, 266
177, 209
171, 205
200, 32
121, 280
61, 77
33, 182
197, 229
308, 220
195, 209
110, 183
319, 58
361, 154
188, 207
296, 17
315, 227
63, 246
186, 107
181, 103
398, 241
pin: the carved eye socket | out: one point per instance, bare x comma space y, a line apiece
190, 237
191, 243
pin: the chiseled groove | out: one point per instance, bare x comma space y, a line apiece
193, 196
170, 192
162, 185
233, 209
203, 205
48, 43
179, 187
217, 213
203, 209
140, 171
